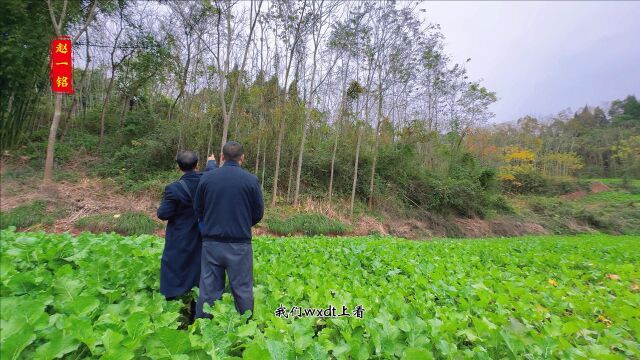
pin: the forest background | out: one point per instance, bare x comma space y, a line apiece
353, 117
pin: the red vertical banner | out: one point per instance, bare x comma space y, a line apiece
61, 65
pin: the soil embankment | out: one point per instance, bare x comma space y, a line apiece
92, 196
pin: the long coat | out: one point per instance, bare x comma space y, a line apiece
180, 264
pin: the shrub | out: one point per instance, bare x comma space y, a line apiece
82, 140
468, 194
524, 182
19, 174
36, 147
308, 224
487, 179
564, 185
28, 214
153, 183
465, 198
613, 219
531, 182
127, 223
500, 203
610, 212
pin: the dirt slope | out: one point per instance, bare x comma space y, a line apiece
90, 196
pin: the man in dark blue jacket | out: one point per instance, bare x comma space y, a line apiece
180, 264
228, 203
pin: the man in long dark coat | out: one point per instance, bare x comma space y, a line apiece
180, 264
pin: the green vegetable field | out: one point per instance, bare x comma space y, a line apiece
95, 296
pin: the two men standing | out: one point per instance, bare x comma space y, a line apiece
209, 232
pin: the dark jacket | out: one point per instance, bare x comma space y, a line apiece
180, 264
228, 203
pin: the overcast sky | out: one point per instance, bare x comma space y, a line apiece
542, 57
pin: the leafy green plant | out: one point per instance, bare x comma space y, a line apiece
127, 223
96, 296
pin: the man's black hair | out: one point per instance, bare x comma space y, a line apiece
187, 160
232, 151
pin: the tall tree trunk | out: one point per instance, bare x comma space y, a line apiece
376, 142
257, 167
264, 165
307, 119
89, 99
333, 161
182, 80
262, 106
78, 95
300, 154
338, 129
105, 104
355, 171
227, 115
125, 107
290, 179
284, 103
257, 164
47, 181
210, 135
274, 193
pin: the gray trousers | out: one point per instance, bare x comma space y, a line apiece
237, 260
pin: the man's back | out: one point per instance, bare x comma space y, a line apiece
228, 203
